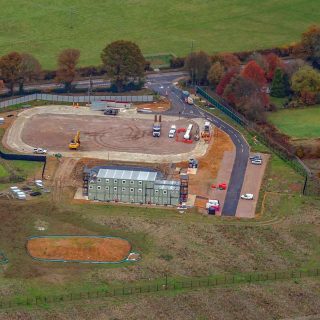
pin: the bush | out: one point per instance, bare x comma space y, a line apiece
177, 62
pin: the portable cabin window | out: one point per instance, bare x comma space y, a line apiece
123, 181
115, 188
98, 188
107, 188
132, 182
90, 187
140, 190
123, 189
131, 189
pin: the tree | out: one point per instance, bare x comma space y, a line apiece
309, 47
30, 69
278, 86
260, 60
273, 63
306, 83
10, 69
123, 61
215, 73
254, 72
226, 79
67, 63
198, 65
228, 60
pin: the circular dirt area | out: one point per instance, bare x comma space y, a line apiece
102, 133
79, 248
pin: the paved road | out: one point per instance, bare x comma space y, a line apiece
164, 85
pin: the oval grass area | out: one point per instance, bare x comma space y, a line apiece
94, 249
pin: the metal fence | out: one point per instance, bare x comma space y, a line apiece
312, 184
73, 99
165, 284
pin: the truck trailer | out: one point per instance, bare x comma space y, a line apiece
156, 129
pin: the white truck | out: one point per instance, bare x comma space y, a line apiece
172, 131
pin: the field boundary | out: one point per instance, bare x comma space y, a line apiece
165, 284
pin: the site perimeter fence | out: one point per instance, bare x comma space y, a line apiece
73, 98
312, 183
164, 284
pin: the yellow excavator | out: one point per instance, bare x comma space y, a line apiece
75, 142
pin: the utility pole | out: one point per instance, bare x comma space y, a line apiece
192, 71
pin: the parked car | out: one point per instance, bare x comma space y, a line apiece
247, 196
256, 157
35, 193
39, 151
111, 112
256, 161
38, 183
172, 131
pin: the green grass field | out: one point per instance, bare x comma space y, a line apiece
45, 27
298, 123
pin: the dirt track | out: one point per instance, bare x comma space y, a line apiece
79, 248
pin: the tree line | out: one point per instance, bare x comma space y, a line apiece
246, 86
243, 83
121, 60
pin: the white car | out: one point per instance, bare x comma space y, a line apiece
256, 161
39, 151
247, 196
172, 131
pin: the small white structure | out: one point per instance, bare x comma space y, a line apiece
188, 132
1, 121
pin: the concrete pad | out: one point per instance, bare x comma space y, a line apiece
252, 184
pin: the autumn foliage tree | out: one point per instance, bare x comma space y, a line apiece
273, 63
198, 65
306, 84
255, 73
215, 73
226, 79
10, 69
227, 60
309, 46
30, 70
124, 62
67, 63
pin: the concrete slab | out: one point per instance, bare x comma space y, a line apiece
252, 184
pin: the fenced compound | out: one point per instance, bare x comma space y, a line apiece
312, 184
73, 99
165, 284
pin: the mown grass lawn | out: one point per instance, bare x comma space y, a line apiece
298, 123
45, 27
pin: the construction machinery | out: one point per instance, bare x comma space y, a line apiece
205, 135
156, 129
75, 142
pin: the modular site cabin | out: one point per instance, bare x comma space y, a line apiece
133, 185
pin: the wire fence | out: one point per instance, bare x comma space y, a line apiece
164, 284
312, 183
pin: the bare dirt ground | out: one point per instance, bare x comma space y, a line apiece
79, 248
252, 184
157, 106
99, 133
125, 137
209, 165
